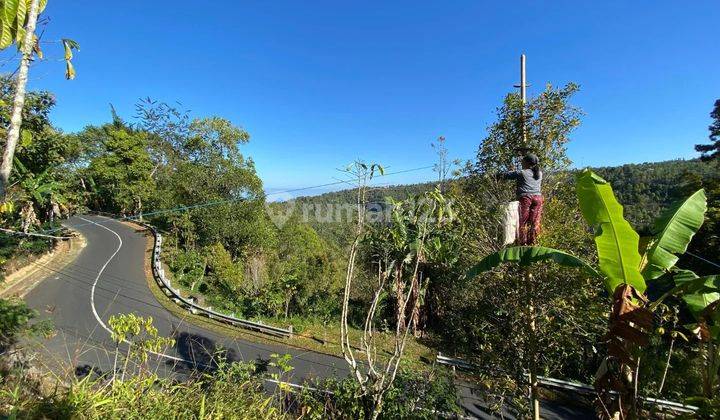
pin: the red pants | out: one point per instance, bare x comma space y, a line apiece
530, 213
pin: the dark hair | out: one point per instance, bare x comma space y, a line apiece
534, 163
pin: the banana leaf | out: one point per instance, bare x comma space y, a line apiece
697, 292
673, 232
697, 302
617, 243
526, 255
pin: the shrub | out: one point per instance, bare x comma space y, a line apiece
413, 395
230, 392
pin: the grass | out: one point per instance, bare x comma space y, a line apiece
314, 336
231, 392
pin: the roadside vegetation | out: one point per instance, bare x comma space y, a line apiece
621, 291
17, 252
132, 390
234, 249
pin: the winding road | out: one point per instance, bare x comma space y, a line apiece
108, 278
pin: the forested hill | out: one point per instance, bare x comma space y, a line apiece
644, 189
397, 192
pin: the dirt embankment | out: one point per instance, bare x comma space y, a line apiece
24, 278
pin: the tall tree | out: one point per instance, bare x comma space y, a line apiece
18, 19
40, 184
26, 36
304, 269
549, 119
122, 172
711, 151
511, 309
707, 246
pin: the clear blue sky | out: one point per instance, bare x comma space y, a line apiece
320, 83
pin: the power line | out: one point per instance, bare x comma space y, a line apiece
703, 259
242, 199
329, 184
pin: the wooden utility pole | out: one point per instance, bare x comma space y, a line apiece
527, 275
523, 96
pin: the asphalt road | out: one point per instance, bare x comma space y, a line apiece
108, 278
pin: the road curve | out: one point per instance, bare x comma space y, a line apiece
108, 278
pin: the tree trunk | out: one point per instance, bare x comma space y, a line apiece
414, 298
667, 365
19, 101
532, 347
140, 209
400, 294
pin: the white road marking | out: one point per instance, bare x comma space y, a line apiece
92, 293
92, 290
102, 324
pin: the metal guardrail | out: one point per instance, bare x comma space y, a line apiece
579, 388
174, 294
453, 362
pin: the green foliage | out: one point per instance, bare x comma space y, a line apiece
698, 293
40, 181
418, 238
617, 242
485, 318
13, 18
15, 321
69, 45
549, 119
122, 173
305, 270
526, 255
672, 234
230, 392
647, 189
139, 333
413, 395
198, 165
712, 151
16, 251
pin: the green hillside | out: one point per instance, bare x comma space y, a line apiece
644, 189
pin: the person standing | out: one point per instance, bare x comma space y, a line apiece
528, 183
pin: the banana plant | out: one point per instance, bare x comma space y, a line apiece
625, 269
702, 298
618, 245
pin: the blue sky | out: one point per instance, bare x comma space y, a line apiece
320, 83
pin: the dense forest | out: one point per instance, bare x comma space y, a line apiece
367, 259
